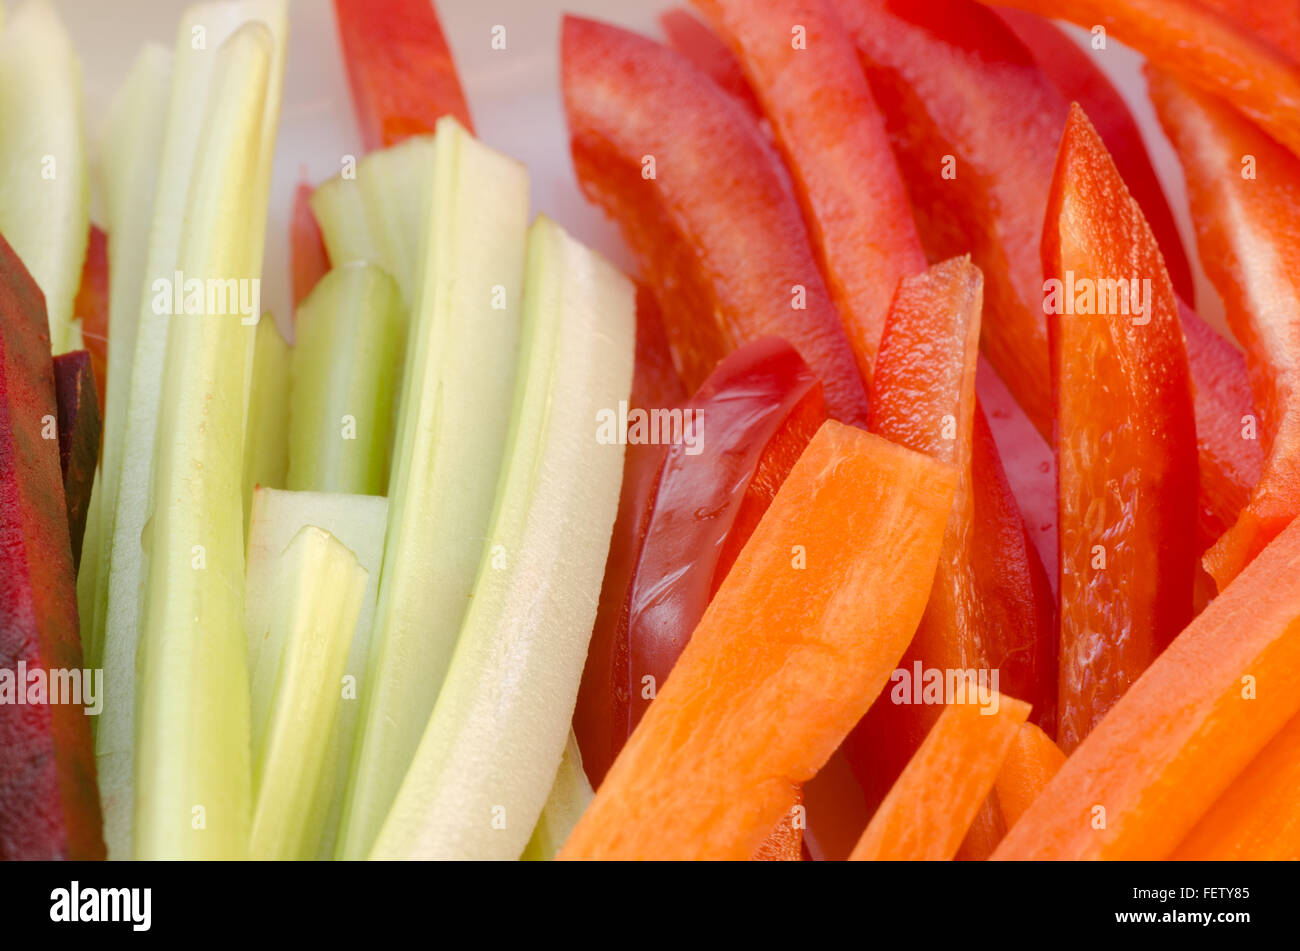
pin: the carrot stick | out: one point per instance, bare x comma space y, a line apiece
1184, 730
1258, 817
926, 814
798, 640
1030, 765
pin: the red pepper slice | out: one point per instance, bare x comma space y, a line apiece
758, 410
1126, 435
840, 158
49, 803
990, 607
694, 40
308, 259
1245, 196
1278, 23
931, 68
80, 427
91, 306
696, 189
400, 70
1076, 76
1202, 48
600, 718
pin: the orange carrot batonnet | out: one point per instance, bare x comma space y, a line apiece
1184, 732
1030, 765
798, 640
1258, 817
929, 810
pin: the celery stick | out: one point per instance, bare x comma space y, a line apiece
349, 332
266, 444
44, 191
491, 748
358, 522
570, 795
378, 216
317, 600
451, 435
181, 177
130, 152
88, 574
192, 770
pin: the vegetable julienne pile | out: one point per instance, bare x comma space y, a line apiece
886, 254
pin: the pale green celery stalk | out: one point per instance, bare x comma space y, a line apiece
348, 337
490, 751
266, 442
203, 31
570, 795
317, 597
192, 769
88, 574
44, 192
357, 521
378, 216
129, 154
455, 408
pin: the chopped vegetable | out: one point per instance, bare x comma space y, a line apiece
90, 307
927, 812
1076, 75
192, 770
571, 794
488, 756
694, 40
308, 259
1030, 765
450, 442
349, 334
317, 599
844, 172
44, 195
79, 430
49, 804
1245, 231
357, 521
402, 76
695, 188
1183, 732
840, 566
1125, 439
1202, 49
266, 441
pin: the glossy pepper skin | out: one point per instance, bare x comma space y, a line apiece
400, 69
1125, 436
696, 190
990, 607
756, 413
1075, 74
49, 801
932, 67
833, 139
1244, 190
1200, 46
600, 717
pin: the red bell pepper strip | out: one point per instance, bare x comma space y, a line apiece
838, 153
80, 426
986, 610
308, 259
49, 803
757, 410
931, 67
1200, 47
1077, 77
600, 718
400, 70
1126, 434
694, 40
697, 192
1278, 23
91, 307
1245, 196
